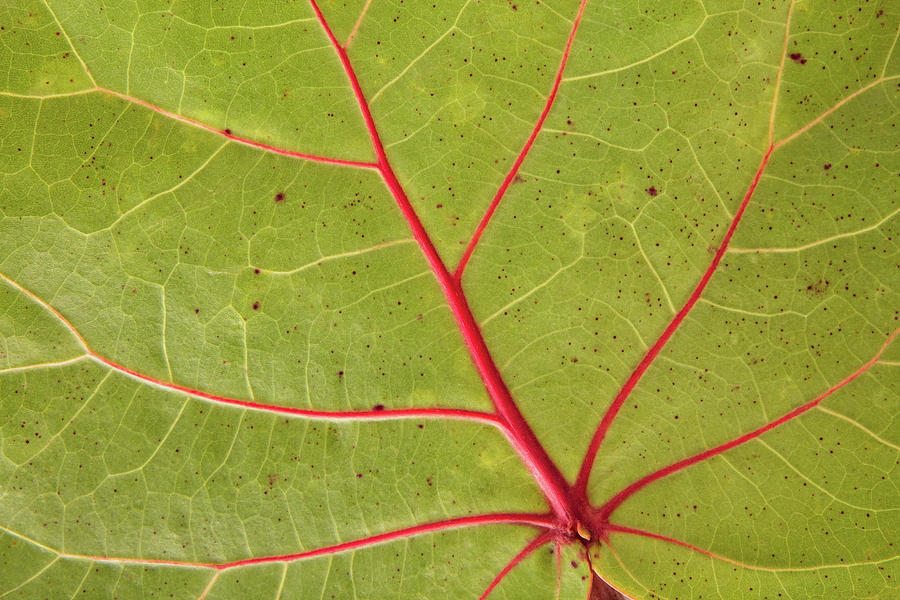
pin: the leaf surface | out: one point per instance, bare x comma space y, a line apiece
455, 299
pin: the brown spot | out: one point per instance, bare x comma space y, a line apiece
279, 197
378, 407
226, 131
256, 305
518, 179
826, 166
652, 191
798, 58
818, 287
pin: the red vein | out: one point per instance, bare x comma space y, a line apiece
236, 138
369, 415
612, 411
531, 547
656, 536
519, 159
607, 509
534, 520
580, 488
587, 464
357, 24
548, 477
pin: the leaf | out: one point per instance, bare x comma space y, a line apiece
372, 299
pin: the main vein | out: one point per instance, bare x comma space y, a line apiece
548, 476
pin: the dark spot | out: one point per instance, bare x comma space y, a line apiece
256, 305
652, 191
818, 287
256, 271
340, 374
826, 166
574, 564
359, 475
378, 407
226, 131
279, 197
798, 58
196, 311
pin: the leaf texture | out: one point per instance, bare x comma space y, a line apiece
377, 299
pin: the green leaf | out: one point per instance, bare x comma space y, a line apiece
439, 300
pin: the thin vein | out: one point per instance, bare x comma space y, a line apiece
819, 487
858, 425
817, 242
209, 586
183, 181
47, 365
638, 62
32, 578
530, 292
421, 55
825, 114
62, 30
330, 257
633, 531
356, 25
787, 35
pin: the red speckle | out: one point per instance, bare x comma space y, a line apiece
279, 197
256, 305
798, 58
196, 311
826, 166
256, 271
652, 191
